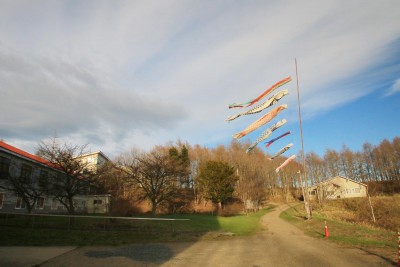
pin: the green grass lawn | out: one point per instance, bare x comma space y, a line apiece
373, 240
46, 231
242, 225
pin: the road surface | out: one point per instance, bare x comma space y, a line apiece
281, 244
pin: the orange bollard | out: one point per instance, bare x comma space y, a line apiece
398, 235
326, 230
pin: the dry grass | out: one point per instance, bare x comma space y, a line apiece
346, 228
357, 210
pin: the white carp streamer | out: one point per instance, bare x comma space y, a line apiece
266, 134
286, 162
270, 102
280, 152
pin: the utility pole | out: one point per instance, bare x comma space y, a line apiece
306, 195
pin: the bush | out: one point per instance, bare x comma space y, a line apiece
232, 208
384, 188
123, 207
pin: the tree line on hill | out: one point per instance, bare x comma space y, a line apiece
224, 173
378, 166
178, 177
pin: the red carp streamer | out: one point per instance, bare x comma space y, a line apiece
269, 90
271, 101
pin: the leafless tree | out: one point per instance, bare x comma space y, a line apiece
316, 168
74, 175
332, 161
155, 173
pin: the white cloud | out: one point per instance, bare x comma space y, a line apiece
143, 73
46, 95
395, 88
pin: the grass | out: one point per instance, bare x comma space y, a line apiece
243, 225
371, 239
50, 231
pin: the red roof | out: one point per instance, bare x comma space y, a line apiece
25, 154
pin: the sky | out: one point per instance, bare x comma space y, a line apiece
118, 75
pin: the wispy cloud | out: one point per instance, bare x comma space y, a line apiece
42, 95
394, 89
123, 73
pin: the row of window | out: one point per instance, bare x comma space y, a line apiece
348, 191
20, 204
353, 190
55, 204
25, 173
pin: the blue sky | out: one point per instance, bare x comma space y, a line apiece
122, 74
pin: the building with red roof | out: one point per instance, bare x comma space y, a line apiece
15, 162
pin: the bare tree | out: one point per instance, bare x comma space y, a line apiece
155, 173
74, 177
316, 168
332, 160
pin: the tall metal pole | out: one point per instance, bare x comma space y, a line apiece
306, 196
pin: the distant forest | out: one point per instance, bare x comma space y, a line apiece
179, 177
378, 166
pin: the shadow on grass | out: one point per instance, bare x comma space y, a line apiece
388, 260
142, 242
318, 234
87, 230
296, 212
17, 230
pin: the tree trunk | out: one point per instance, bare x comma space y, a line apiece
153, 207
71, 208
219, 206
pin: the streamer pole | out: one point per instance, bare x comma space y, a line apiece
306, 195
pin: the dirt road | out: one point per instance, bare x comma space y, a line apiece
281, 244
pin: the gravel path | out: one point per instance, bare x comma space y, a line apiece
281, 244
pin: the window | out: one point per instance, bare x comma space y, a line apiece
97, 202
26, 172
20, 203
1, 200
40, 203
357, 190
54, 204
4, 167
44, 177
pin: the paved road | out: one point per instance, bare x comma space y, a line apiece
29, 256
280, 245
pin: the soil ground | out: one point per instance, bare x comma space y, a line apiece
279, 244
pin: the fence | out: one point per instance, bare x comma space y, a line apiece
84, 222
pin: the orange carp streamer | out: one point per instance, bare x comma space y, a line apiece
260, 122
